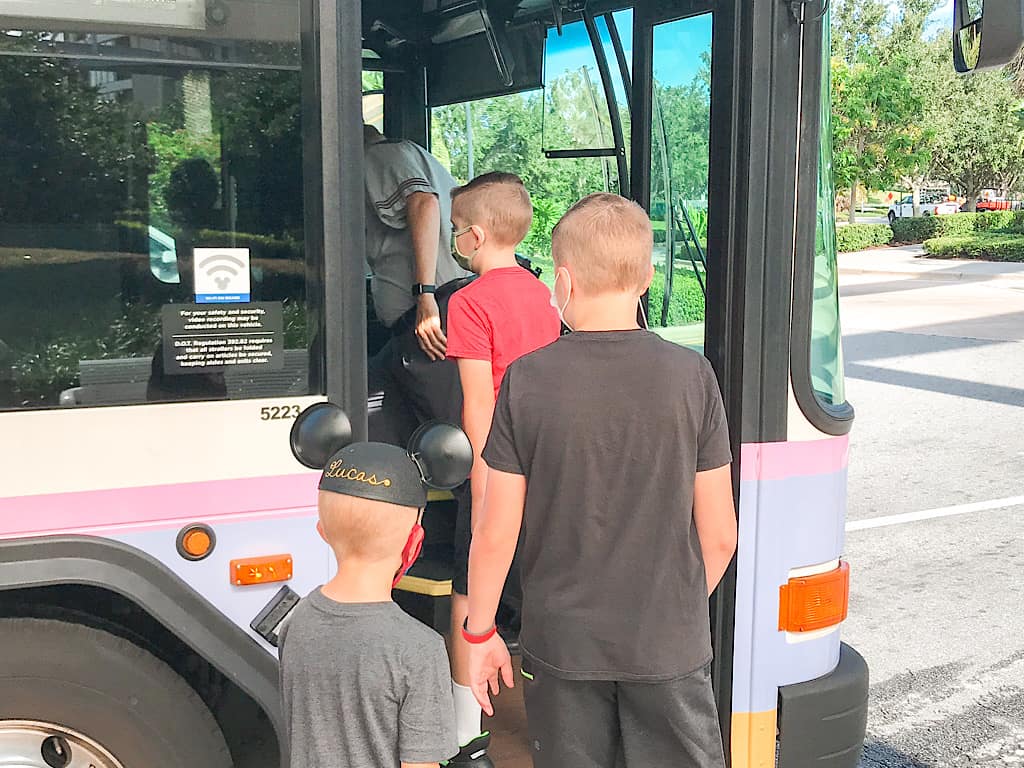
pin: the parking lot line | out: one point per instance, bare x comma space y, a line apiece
930, 514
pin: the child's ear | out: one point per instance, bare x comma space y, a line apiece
320, 530
649, 279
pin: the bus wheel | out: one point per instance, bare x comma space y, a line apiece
77, 696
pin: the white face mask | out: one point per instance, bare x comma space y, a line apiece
554, 300
464, 261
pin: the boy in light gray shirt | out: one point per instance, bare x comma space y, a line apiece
364, 684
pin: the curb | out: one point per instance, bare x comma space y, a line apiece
937, 276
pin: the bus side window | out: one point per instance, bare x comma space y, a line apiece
679, 179
140, 165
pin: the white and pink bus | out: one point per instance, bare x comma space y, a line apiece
182, 273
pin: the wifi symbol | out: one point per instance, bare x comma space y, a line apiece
222, 268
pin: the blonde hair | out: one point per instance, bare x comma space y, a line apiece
499, 203
370, 530
607, 241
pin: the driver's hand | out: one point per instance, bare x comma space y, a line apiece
428, 327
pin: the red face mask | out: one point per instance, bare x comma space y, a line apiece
413, 547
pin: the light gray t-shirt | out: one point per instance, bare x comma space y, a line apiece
395, 170
364, 685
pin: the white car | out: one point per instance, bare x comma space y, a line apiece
931, 205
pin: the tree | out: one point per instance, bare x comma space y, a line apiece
872, 105
979, 143
906, 37
70, 157
857, 27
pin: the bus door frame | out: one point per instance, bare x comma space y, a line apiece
332, 32
754, 126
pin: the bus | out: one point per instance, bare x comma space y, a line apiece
182, 275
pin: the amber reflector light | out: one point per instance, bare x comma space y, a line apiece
807, 603
261, 570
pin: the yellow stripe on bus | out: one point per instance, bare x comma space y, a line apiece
428, 587
753, 739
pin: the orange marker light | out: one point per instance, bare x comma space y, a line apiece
196, 542
261, 570
807, 603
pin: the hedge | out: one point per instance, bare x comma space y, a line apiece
990, 246
920, 228
917, 230
858, 237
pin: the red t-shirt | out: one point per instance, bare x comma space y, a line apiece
501, 316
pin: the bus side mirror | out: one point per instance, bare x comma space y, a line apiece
1002, 22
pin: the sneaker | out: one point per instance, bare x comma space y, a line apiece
474, 753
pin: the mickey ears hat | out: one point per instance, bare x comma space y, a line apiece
439, 456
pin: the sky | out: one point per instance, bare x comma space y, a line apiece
942, 17
677, 47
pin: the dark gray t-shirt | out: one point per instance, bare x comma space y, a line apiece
364, 685
609, 430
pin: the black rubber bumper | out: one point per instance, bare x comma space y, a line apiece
822, 722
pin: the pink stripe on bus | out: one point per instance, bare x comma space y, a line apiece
798, 458
163, 525
75, 511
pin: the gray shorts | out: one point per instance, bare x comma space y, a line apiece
602, 724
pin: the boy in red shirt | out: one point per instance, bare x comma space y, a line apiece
499, 317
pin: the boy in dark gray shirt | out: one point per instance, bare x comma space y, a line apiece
609, 449
364, 684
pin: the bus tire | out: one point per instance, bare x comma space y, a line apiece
107, 689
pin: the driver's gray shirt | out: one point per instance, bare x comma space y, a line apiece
394, 170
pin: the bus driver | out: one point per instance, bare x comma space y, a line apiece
408, 233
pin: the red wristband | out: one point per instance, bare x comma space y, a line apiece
476, 639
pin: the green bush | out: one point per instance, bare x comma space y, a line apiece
686, 304
990, 246
995, 220
917, 230
858, 237
920, 228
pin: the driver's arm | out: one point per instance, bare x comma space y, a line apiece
423, 213
423, 218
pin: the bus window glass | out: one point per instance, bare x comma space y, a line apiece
826, 358
621, 28
575, 108
373, 97
679, 178
504, 134
151, 217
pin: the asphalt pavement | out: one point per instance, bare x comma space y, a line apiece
934, 354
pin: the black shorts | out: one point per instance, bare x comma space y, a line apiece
601, 724
512, 594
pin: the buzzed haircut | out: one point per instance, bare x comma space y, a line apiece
607, 241
373, 530
499, 203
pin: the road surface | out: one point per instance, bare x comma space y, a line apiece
935, 369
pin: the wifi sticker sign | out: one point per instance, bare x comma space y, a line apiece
221, 275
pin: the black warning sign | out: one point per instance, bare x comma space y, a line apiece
202, 338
